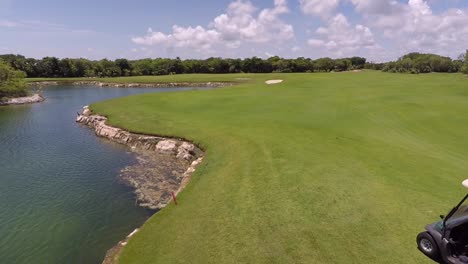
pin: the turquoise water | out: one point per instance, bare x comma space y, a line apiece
60, 199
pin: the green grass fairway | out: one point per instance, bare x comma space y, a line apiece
323, 168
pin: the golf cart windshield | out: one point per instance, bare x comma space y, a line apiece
459, 212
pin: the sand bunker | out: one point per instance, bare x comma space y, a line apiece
273, 81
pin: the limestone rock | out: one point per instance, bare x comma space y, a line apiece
186, 147
196, 162
35, 98
86, 111
107, 131
166, 145
185, 151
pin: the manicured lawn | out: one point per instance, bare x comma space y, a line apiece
323, 168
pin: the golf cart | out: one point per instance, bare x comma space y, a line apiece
446, 241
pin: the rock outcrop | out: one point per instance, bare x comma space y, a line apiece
143, 85
35, 98
43, 84
164, 165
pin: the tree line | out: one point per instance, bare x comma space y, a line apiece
55, 67
464, 68
426, 63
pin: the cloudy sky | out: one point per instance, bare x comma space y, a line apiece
380, 30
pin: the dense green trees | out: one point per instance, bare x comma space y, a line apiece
12, 82
54, 67
422, 63
464, 64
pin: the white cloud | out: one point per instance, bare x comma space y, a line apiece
416, 28
151, 38
322, 8
409, 25
419, 7
340, 38
196, 38
316, 43
41, 26
326, 9
242, 23
296, 49
376, 6
8, 24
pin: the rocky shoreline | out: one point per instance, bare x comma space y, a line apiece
139, 85
35, 98
164, 166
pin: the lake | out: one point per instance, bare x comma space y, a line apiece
60, 198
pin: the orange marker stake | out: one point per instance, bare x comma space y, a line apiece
174, 198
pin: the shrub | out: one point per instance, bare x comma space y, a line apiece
12, 82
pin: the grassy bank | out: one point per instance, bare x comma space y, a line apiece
323, 168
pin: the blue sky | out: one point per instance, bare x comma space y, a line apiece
377, 29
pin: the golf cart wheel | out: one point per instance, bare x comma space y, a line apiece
427, 245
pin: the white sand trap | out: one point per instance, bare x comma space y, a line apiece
273, 81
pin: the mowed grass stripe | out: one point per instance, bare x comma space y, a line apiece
323, 168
